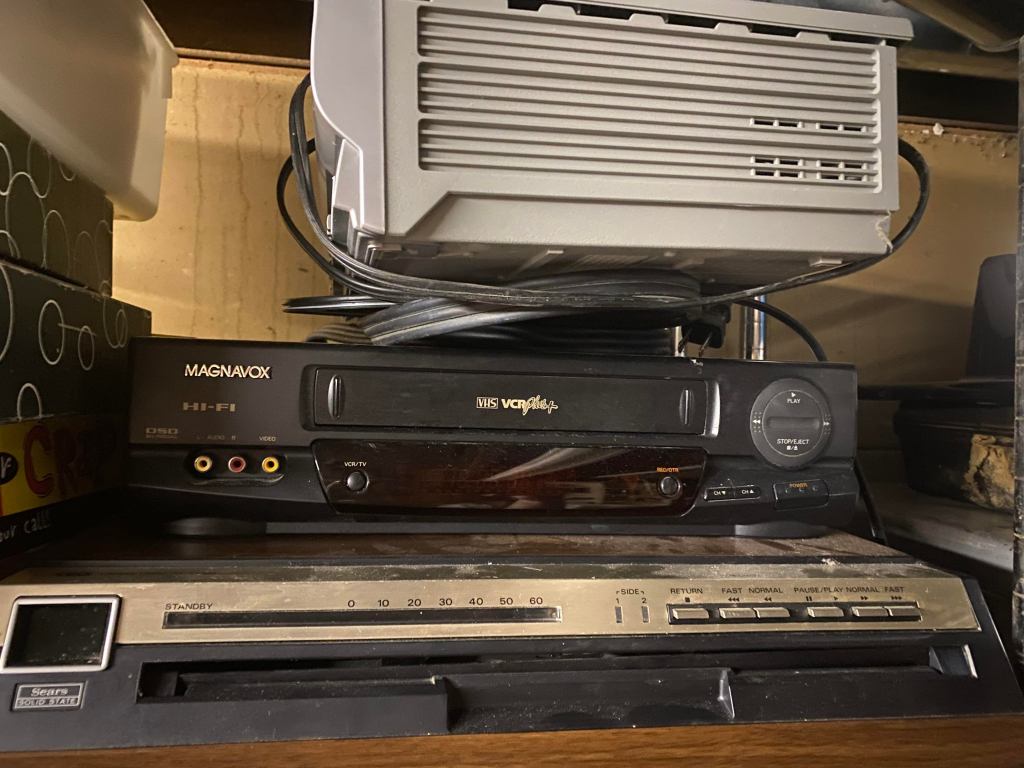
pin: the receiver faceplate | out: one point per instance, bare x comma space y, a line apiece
300, 603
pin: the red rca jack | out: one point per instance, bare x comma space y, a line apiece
202, 464
236, 464
270, 465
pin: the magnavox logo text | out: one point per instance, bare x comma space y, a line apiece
211, 371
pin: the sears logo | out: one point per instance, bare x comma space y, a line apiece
487, 402
8, 468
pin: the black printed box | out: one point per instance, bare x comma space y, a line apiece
52, 219
63, 349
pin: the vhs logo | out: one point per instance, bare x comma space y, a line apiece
490, 403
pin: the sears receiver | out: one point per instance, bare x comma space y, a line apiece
360, 438
131, 642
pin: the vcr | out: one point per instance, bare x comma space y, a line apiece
279, 437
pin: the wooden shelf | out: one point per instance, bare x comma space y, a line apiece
978, 535
985, 742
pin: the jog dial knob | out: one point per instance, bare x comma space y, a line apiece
790, 423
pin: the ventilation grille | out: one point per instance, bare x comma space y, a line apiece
557, 93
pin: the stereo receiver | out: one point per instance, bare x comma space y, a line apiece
133, 643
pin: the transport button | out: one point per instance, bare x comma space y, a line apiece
825, 612
734, 614
904, 611
773, 612
870, 612
677, 615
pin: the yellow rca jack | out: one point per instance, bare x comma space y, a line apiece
202, 464
270, 465
236, 464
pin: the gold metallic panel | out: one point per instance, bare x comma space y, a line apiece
307, 603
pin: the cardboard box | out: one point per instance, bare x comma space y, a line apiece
53, 472
52, 219
63, 349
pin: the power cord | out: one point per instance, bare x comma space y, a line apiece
791, 322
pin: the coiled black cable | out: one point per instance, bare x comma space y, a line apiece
433, 317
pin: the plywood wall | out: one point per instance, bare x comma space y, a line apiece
216, 262
908, 319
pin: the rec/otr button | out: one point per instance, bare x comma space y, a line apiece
669, 486
357, 482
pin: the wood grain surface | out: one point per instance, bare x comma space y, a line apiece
985, 742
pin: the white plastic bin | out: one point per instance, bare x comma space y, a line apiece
90, 81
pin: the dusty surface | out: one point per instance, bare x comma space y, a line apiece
117, 545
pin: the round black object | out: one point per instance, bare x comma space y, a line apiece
669, 486
790, 423
357, 482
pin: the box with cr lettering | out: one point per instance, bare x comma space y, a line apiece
51, 218
63, 349
52, 473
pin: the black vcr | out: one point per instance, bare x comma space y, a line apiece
278, 437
